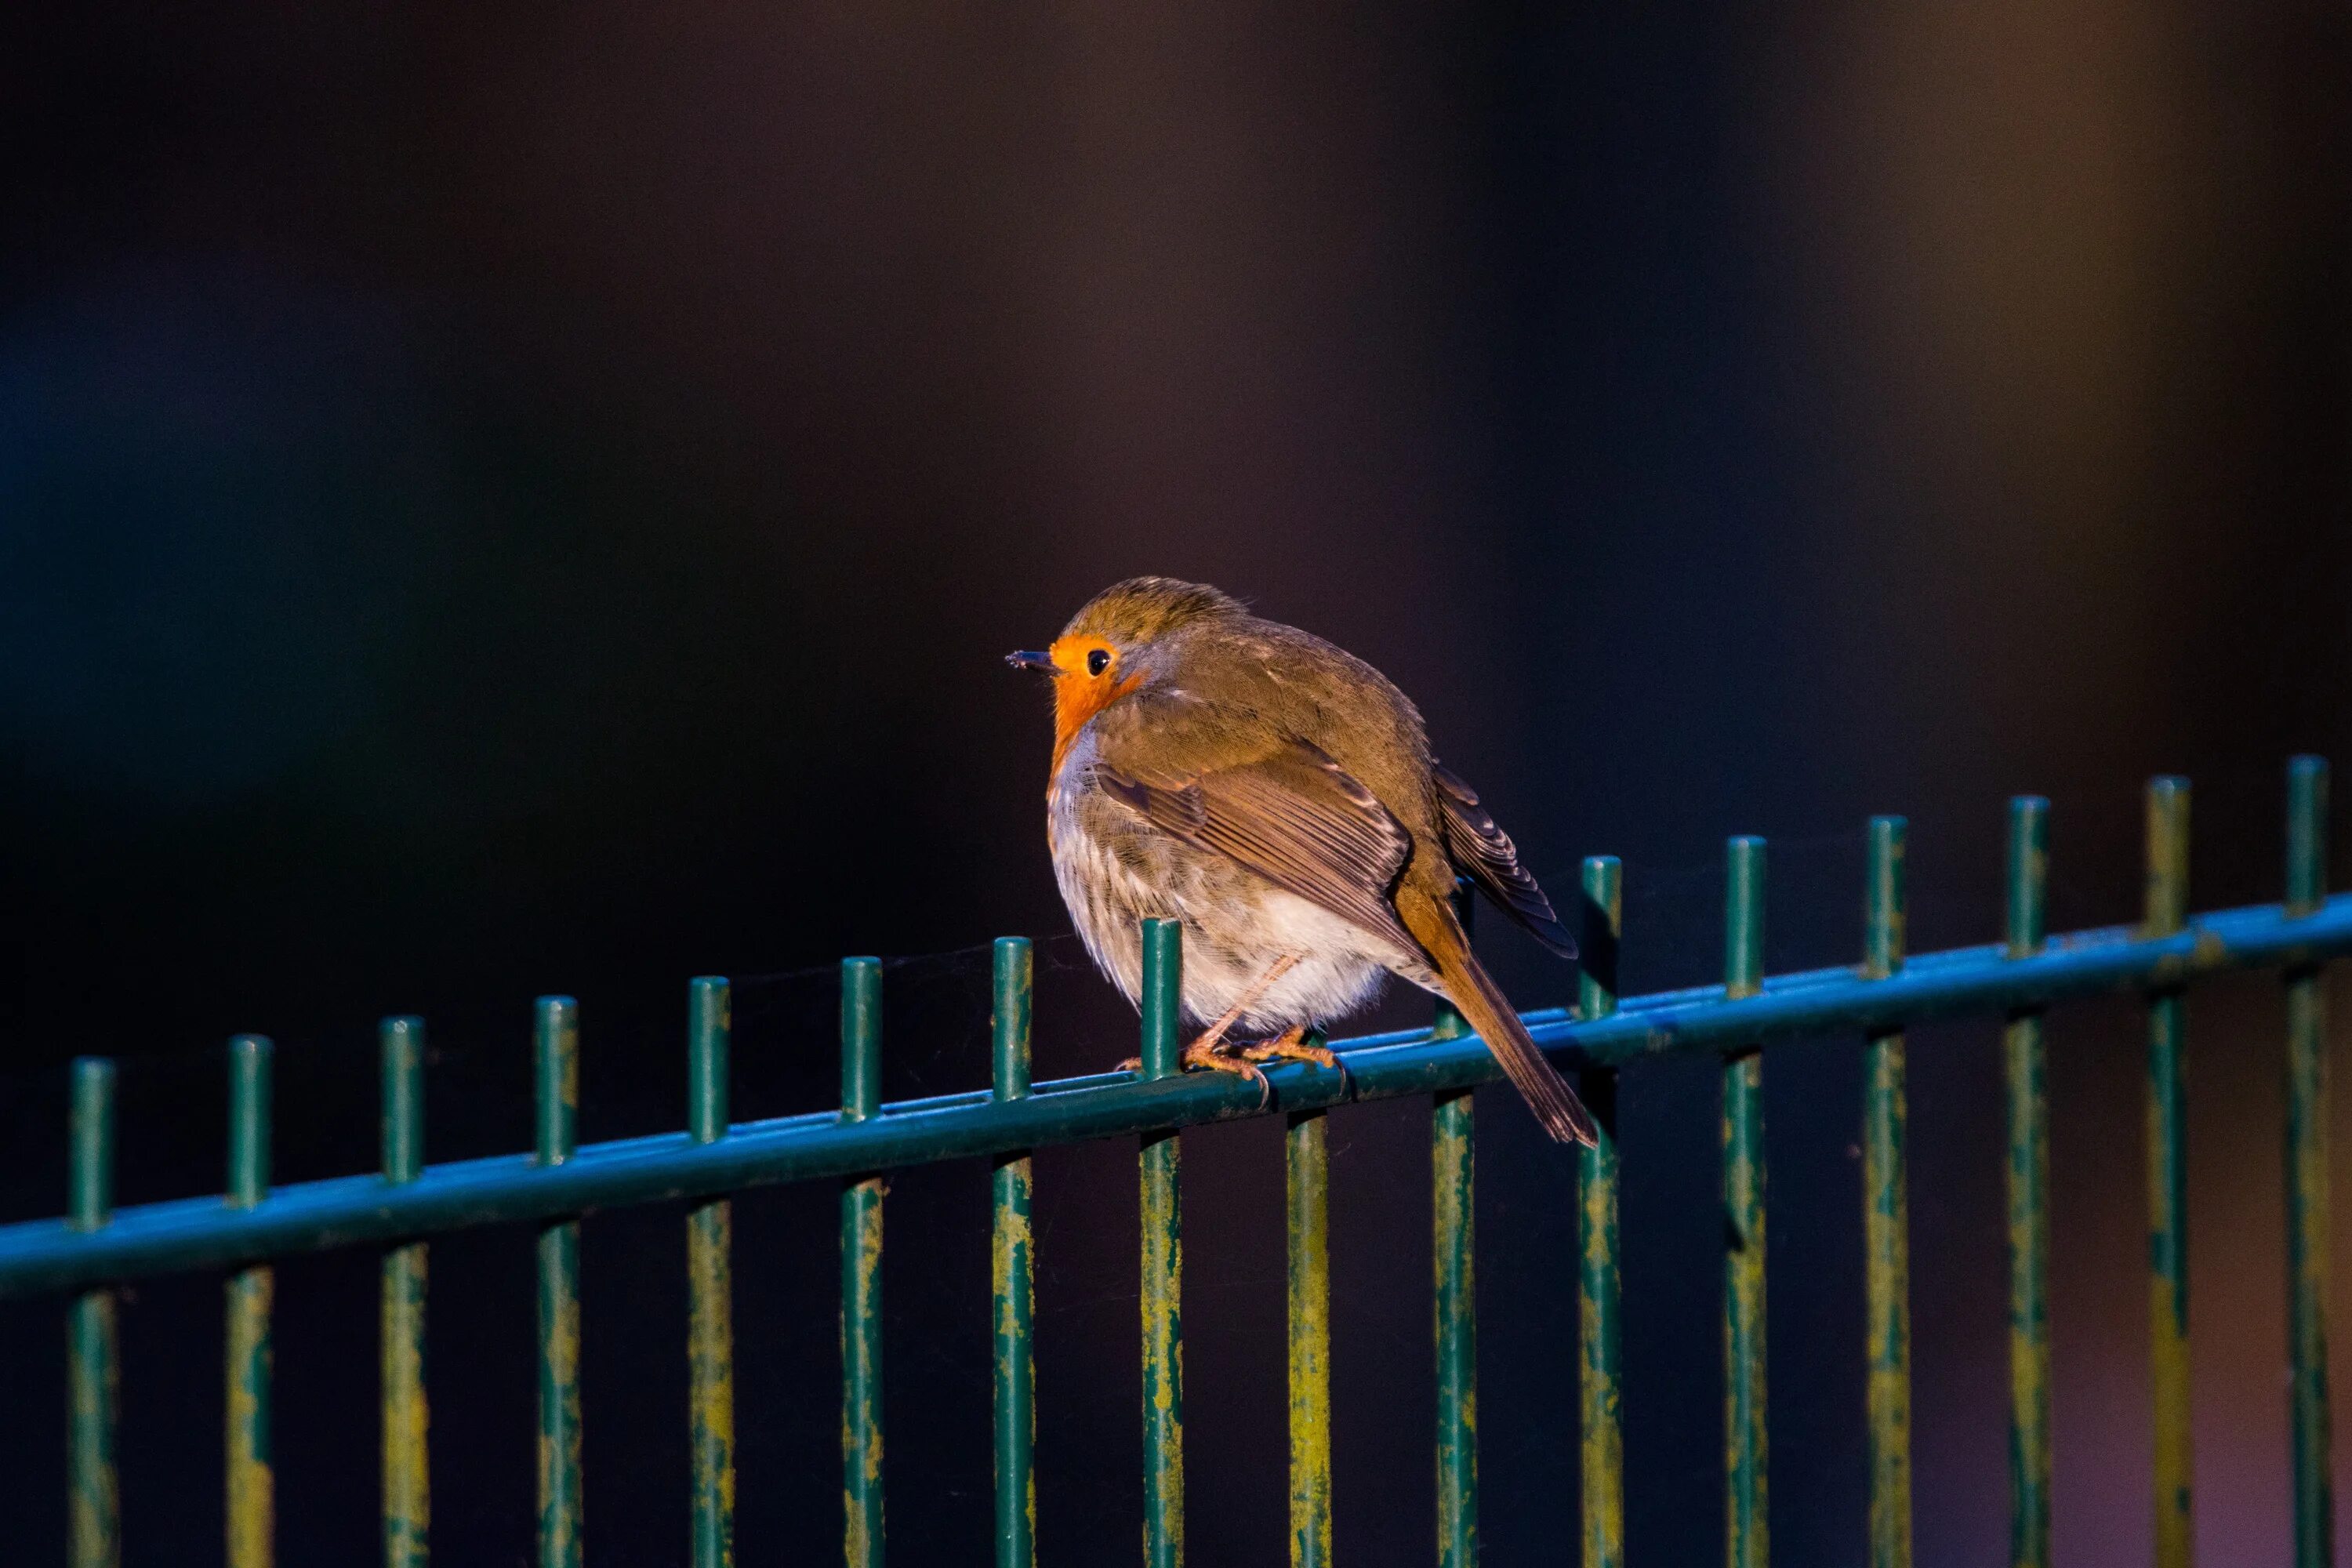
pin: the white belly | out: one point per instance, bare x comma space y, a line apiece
1236, 924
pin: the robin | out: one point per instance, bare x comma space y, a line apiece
1275, 795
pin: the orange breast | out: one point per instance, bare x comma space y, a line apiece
1077, 699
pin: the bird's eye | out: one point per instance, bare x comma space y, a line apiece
1099, 661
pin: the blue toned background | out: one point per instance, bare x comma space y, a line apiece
501, 502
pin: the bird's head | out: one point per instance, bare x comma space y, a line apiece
1114, 645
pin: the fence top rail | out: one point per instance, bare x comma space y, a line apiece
190, 1235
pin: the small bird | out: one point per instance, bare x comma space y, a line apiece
1275, 795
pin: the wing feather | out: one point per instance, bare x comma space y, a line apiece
1481, 851
1294, 817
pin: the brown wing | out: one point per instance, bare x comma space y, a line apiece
1484, 853
1296, 818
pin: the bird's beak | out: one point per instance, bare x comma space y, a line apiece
1044, 661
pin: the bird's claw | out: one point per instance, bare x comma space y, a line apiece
1204, 1056
1212, 1056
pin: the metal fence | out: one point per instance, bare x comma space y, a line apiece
95, 1247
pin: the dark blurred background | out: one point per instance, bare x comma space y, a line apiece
531, 499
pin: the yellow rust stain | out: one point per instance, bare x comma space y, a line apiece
407, 1419
251, 1487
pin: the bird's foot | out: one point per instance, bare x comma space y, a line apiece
1215, 1057
1296, 1044
1210, 1053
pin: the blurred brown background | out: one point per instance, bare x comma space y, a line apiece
504, 501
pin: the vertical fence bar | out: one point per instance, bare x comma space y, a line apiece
861, 1275
252, 1513
561, 1501
1598, 1288
1163, 1260
1747, 1524
2306, 1173
709, 1287
2026, 1104
1013, 1268
2168, 1180
1453, 1194
1306, 1188
407, 1486
93, 1503
1886, 1214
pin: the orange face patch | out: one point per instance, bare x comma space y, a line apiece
1079, 692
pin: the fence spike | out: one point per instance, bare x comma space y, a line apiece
2306, 1173
2026, 1113
93, 1498
709, 1284
249, 1481
1599, 1278
861, 1274
1453, 1155
1885, 1214
1013, 1267
407, 1485
1306, 1187
1161, 1166
2168, 1180
561, 1504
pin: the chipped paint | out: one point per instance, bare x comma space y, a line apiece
1746, 1452
709, 1284
93, 1397
1454, 1187
2168, 1182
2026, 1116
2306, 1175
561, 1501
1600, 1280
861, 1374
1012, 1267
1307, 1186
407, 1497
400, 1346
1887, 1215
1747, 1513
93, 1388
251, 1510
1161, 1206
710, 1382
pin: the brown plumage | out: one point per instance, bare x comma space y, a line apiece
1276, 795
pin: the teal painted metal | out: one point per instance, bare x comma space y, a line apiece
185, 1235
861, 1275
1887, 1215
1160, 1167
560, 1497
2168, 1181
1454, 1183
2026, 1101
1746, 1504
1600, 1287
1452, 1173
1452, 1247
1012, 1275
2306, 1175
1306, 1195
407, 1483
249, 1481
93, 1393
709, 1289
93, 1246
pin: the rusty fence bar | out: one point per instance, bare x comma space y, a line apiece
96, 1247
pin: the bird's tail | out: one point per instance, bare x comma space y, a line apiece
1481, 1002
